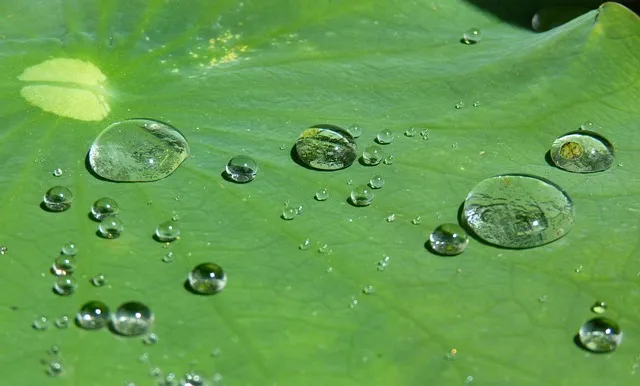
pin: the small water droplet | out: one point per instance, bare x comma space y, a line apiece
305, 245
582, 152
389, 160
69, 249
241, 168
361, 195
62, 322
329, 269
324, 249
425, 134
93, 315
543, 299
578, 269
600, 334
41, 323
132, 319
65, 285
322, 194
57, 172
468, 380
472, 36
326, 147
391, 217
99, 280
376, 182
599, 307
459, 105
476, 103
368, 290
384, 137
150, 339
104, 207
138, 150
410, 132
416, 220
167, 231
355, 130
168, 258
156, 372
384, 263
54, 350
3, 250
587, 125
54, 369
58, 199
448, 239
207, 279
192, 378
282, 147
289, 213
63, 265
372, 155
110, 227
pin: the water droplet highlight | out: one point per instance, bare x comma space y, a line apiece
104, 207
472, 36
58, 199
582, 151
241, 168
207, 278
518, 211
355, 130
138, 150
110, 227
599, 307
69, 249
65, 285
167, 231
448, 239
322, 194
132, 319
372, 155
384, 137
361, 195
600, 334
326, 147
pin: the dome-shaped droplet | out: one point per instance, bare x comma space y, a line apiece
384, 136
326, 147
448, 239
582, 151
138, 150
372, 155
58, 199
518, 211
110, 227
167, 231
361, 195
207, 278
241, 168
104, 207
600, 334
93, 315
132, 319
471, 36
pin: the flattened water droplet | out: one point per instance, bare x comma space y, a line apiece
355, 130
472, 36
69, 249
587, 125
518, 211
384, 136
207, 278
104, 207
599, 307
241, 168
326, 147
448, 239
600, 334
110, 227
361, 195
372, 155
132, 319
65, 285
322, 194
582, 151
138, 150
58, 199
167, 231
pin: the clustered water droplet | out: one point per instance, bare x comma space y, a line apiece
58, 199
448, 239
207, 279
241, 168
582, 151
326, 147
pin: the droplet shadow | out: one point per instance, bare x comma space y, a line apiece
44, 207
227, 177
549, 160
467, 42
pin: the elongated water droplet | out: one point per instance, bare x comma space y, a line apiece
104, 207
471, 36
448, 239
361, 195
241, 168
518, 211
582, 151
110, 227
167, 231
207, 279
326, 147
138, 150
58, 199
372, 155
384, 136
132, 319
600, 334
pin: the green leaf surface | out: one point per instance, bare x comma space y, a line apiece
247, 78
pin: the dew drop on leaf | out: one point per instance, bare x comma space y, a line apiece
448, 239
104, 207
326, 147
241, 168
110, 227
58, 199
93, 315
600, 334
372, 155
167, 231
207, 279
384, 136
361, 195
582, 151
132, 319
472, 36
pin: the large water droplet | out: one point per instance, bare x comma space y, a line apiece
518, 211
207, 279
138, 150
93, 315
104, 207
132, 319
241, 168
600, 334
448, 239
58, 199
326, 147
582, 151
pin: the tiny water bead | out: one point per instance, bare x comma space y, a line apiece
207, 279
150, 339
600, 334
410, 132
582, 151
472, 36
58, 199
65, 285
322, 194
138, 150
305, 245
599, 307
168, 258
361, 195
54, 369
93, 315
326, 147
104, 207
57, 172
3, 250
355, 130
459, 105
110, 227
99, 280
41, 323
132, 319
289, 213
448, 239
376, 182
372, 155
391, 217
69, 249
368, 290
587, 125
63, 265
518, 211
389, 160
62, 322
241, 168
167, 231
384, 136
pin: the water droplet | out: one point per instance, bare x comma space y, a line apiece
384, 136
425, 134
104, 207
582, 152
324, 249
132, 319
282, 147
99, 280
65, 285
54, 350
391, 217
353, 303
192, 378
383, 264
376, 182
57, 172
41, 323
389, 160
472, 36
93, 315
58, 199
468, 379
368, 290
322, 194
599, 307
62, 322
69, 249
355, 130
167, 231
63, 265
518, 211
216, 352
54, 369
241, 168
168, 258
289, 213
372, 155
448, 239
587, 125
410, 132
326, 147
329, 269
110, 227
416, 220
3, 250
207, 278
150, 339
459, 105
600, 334
476, 103
305, 245
138, 150
361, 195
